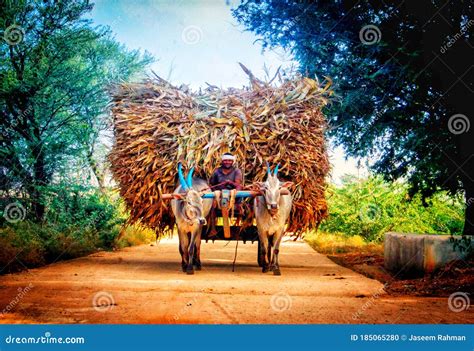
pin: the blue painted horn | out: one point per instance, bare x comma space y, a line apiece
275, 171
269, 172
182, 181
189, 179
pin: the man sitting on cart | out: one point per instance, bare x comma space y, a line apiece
226, 177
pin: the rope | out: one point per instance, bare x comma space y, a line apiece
235, 254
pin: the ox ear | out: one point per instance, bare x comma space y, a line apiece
286, 184
177, 196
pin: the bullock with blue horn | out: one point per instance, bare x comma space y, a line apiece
272, 210
190, 211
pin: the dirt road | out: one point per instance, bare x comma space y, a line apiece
144, 284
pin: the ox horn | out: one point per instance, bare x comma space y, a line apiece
182, 181
189, 179
269, 172
275, 171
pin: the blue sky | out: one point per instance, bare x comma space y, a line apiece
195, 42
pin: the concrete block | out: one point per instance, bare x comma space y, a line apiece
403, 253
416, 254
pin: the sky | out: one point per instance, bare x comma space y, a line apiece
197, 42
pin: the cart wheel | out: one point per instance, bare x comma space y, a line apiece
259, 259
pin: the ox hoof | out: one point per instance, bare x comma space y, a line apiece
265, 269
276, 271
198, 268
190, 270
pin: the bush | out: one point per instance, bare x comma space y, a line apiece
78, 221
135, 234
21, 246
370, 207
78, 209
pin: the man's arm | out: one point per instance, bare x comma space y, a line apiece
213, 180
238, 179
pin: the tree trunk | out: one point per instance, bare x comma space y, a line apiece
39, 177
469, 214
95, 169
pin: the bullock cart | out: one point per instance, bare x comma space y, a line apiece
228, 221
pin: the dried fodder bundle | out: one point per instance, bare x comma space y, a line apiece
157, 125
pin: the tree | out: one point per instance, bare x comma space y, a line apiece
403, 76
54, 69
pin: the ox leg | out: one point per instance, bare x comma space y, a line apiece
191, 250
276, 250
264, 252
183, 249
197, 253
269, 251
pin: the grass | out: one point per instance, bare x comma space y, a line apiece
335, 243
135, 234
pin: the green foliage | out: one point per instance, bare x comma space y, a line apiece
78, 221
135, 234
397, 82
370, 207
87, 209
54, 93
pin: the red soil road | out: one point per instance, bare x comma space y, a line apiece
144, 284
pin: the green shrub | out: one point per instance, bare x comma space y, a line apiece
78, 221
83, 209
21, 246
370, 207
135, 235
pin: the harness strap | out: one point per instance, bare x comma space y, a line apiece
233, 193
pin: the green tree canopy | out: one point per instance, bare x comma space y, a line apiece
403, 74
55, 68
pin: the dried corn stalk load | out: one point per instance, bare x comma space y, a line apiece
156, 125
